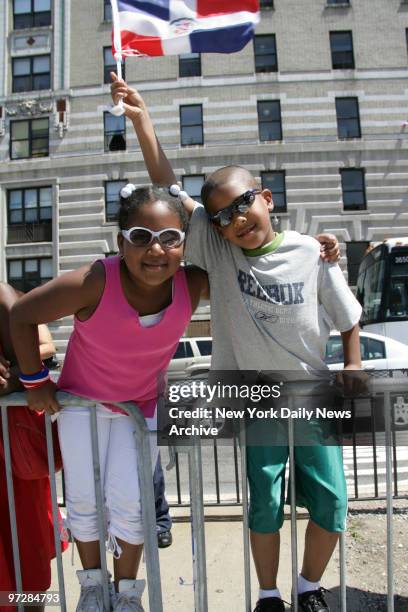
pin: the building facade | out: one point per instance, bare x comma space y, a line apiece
316, 108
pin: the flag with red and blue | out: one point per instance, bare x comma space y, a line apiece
173, 27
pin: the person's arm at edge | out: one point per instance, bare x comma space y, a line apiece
8, 370
47, 346
8, 297
157, 163
47, 349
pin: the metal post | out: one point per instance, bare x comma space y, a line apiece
100, 504
388, 472
197, 527
343, 573
12, 506
293, 526
144, 465
245, 522
55, 517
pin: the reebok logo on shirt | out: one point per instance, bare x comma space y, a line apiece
286, 294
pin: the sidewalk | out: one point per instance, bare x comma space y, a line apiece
224, 546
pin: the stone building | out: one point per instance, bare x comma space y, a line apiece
316, 108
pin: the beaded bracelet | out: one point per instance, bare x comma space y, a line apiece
34, 381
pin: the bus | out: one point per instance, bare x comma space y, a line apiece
382, 289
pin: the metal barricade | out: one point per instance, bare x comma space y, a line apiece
380, 387
146, 485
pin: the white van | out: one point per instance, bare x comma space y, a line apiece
193, 356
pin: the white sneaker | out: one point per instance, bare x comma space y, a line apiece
129, 598
91, 598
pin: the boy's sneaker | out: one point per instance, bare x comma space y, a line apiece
270, 604
91, 598
313, 601
129, 598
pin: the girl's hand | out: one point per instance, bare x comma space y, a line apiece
329, 247
133, 102
4, 371
43, 399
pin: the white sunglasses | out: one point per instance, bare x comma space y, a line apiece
168, 238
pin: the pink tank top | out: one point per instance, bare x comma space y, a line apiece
112, 358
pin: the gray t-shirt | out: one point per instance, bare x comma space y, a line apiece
272, 311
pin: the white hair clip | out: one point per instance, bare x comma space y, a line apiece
127, 190
177, 192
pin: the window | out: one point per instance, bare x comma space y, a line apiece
183, 350
29, 214
205, 347
276, 183
370, 292
334, 2
112, 189
348, 118
190, 65
341, 45
266, 59
115, 132
192, 184
352, 183
355, 254
29, 138
191, 125
26, 274
109, 65
397, 294
370, 349
31, 13
266, 4
107, 10
269, 120
31, 73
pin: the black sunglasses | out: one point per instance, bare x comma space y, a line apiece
241, 204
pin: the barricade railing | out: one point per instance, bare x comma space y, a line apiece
380, 387
146, 486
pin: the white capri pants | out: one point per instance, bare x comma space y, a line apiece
120, 482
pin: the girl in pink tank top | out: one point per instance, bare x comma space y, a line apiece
114, 354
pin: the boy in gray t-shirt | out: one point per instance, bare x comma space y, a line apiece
271, 300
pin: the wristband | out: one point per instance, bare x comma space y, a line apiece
34, 381
177, 192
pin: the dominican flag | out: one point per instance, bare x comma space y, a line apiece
172, 27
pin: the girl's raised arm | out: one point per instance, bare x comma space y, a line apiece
157, 164
76, 292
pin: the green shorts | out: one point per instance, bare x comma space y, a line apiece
320, 486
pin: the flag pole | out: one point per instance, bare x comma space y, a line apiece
118, 109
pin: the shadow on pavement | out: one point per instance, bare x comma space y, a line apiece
358, 600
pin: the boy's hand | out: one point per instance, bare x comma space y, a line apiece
4, 371
133, 102
329, 247
353, 380
43, 399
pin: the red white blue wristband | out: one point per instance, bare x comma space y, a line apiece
33, 381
